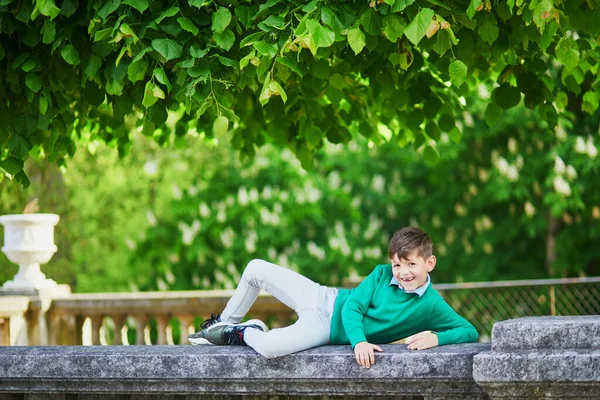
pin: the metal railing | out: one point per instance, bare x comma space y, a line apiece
483, 303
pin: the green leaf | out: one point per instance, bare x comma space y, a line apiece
168, 48
187, 25
393, 27
149, 94
473, 5
242, 12
48, 31
542, 9
140, 5
356, 40
128, 32
371, 22
141, 54
21, 177
590, 102
548, 35
197, 52
400, 5
266, 49
265, 93
251, 39
28, 65
220, 126
12, 165
102, 34
47, 8
567, 52
492, 114
445, 40
489, 31
446, 123
312, 135
33, 82
70, 54
319, 35
224, 40
161, 76
458, 73
246, 59
169, 12
136, 71
68, 7
291, 63
220, 20
272, 21
415, 31
277, 90
92, 66
455, 135
18, 145
43, 105
506, 96
228, 62
108, 8
431, 155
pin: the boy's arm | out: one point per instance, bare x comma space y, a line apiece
450, 327
356, 306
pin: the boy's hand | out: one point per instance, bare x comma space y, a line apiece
363, 352
423, 340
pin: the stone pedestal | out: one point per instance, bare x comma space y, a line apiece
542, 357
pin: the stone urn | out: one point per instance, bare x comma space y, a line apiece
29, 242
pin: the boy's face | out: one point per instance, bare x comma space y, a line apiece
412, 271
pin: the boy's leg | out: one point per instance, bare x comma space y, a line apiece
311, 330
294, 290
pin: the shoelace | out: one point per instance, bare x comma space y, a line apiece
236, 337
214, 318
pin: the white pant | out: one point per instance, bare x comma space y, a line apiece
312, 302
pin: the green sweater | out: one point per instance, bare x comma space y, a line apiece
380, 313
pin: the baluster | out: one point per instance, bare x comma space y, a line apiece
79, 321
140, 326
162, 321
54, 330
184, 327
34, 334
96, 325
119, 321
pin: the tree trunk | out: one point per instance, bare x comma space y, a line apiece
553, 228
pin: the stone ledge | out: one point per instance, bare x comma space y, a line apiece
547, 333
214, 370
542, 357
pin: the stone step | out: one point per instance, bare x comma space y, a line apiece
547, 333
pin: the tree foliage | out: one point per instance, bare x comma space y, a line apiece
292, 73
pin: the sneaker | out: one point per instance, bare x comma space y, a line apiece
233, 334
200, 336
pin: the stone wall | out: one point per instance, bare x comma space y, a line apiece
530, 358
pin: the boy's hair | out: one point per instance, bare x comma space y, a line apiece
408, 239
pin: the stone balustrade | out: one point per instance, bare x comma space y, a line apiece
529, 358
76, 319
